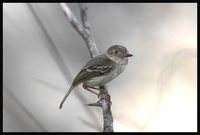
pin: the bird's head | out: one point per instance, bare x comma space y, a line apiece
118, 53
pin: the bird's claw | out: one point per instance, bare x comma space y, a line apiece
104, 95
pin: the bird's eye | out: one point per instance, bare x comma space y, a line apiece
116, 52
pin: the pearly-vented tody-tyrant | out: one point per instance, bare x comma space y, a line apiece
101, 69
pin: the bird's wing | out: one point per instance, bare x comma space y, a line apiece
97, 66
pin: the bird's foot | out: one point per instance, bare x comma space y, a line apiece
104, 95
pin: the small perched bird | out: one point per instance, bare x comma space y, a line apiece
101, 69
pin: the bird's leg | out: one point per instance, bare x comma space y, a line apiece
94, 88
86, 87
101, 95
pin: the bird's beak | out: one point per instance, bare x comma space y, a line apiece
128, 55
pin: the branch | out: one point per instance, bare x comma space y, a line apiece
84, 30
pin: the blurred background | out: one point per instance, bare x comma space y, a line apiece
42, 53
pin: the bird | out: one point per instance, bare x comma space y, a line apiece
100, 70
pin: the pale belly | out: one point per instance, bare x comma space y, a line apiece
102, 80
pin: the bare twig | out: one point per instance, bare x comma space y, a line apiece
95, 104
89, 40
107, 114
84, 30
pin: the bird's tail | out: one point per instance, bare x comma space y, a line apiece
66, 95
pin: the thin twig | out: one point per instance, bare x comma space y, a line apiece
84, 30
95, 104
90, 42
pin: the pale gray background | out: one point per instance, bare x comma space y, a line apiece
156, 92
